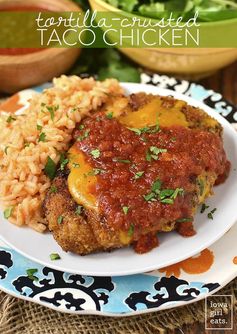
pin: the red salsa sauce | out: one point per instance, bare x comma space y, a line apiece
19, 51
22, 8
130, 167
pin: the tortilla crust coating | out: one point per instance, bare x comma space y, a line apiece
88, 232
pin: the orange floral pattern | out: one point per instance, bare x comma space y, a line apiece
193, 265
235, 260
12, 104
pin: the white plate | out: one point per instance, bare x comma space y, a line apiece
173, 248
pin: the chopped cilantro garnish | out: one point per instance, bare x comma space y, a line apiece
210, 214
78, 210
146, 129
154, 156
125, 209
50, 168
62, 157
10, 119
26, 144
63, 164
157, 150
137, 131
5, 149
122, 160
84, 135
165, 193
149, 197
63, 161
109, 115
95, 171
8, 212
95, 153
156, 186
131, 230
75, 165
157, 126
178, 191
184, 220
60, 219
154, 150
165, 196
201, 185
52, 110
42, 137
81, 126
53, 189
204, 207
39, 127
55, 256
30, 273
138, 175
167, 201
148, 156
153, 153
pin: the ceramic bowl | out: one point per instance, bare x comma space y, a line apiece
190, 63
21, 71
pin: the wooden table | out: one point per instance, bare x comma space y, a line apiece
224, 82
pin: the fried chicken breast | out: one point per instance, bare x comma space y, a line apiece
139, 165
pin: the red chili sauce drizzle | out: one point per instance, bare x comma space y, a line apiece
123, 154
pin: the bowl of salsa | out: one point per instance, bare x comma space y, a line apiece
23, 67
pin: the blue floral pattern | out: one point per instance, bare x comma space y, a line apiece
111, 295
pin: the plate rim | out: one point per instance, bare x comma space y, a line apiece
191, 101
131, 312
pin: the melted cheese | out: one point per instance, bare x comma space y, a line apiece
81, 184
124, 238
152, 112
205, 181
